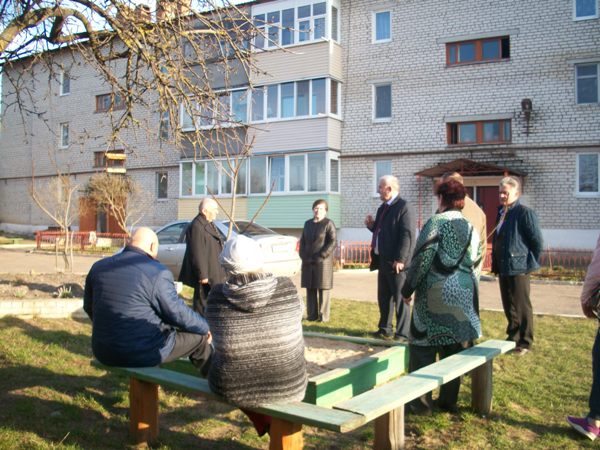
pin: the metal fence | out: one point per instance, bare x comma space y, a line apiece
358, 253
83, 240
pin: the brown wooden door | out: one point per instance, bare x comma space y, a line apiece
487, 199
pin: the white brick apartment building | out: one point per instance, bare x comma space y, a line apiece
486, 87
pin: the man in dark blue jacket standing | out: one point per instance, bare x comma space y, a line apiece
138, 320
516, 250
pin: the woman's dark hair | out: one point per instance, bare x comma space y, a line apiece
318, 202
453, 194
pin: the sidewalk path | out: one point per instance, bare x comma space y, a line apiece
556, 299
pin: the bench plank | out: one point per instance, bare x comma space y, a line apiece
298, 412
395, 394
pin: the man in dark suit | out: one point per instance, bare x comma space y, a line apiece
137, 318
200, 268
391, 248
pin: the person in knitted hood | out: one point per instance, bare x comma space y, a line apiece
256, 324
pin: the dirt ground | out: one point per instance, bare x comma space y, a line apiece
38, 285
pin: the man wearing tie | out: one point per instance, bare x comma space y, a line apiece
516, 250
392, 244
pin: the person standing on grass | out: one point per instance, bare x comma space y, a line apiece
516, 250
316, 251
441, 274
200, 268
392, 244
138, 320
589, 426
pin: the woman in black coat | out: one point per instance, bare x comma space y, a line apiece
316, 251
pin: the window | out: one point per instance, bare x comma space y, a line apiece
588, 168
585, 9
334, 106
114, 158
381, 168
282, 174
65, 83
481, 50
382, 102
479, 132
109, 102
316, 172
162, 185
290, 26
587, 83
164, 126
382, 26
210, 177
64, 135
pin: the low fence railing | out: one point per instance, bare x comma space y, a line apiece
358, 253
82, 240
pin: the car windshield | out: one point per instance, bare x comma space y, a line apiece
250, 229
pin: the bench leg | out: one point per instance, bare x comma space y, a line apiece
481, 388
389, 430
143, 411
285, 435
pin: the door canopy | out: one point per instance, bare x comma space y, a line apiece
469, 168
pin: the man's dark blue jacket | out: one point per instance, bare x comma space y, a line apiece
135, 310
522, 242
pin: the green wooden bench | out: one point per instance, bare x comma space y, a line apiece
344, 409
385, 404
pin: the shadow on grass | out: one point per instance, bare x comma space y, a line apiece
54, 403
75, 288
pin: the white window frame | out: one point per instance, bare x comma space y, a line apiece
63, 139
374, 102
374, 39
376, 177
64, 75
220, 165
593, 16
591, 63
578, 193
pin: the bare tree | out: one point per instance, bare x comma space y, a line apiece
55, 197
119, 195
179, 58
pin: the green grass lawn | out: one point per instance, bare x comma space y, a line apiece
51, 397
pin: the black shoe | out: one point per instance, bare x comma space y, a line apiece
417, 409
452, 409
382, 335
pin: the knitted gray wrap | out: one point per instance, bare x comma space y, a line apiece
256, 324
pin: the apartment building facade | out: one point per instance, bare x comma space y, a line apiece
351, 90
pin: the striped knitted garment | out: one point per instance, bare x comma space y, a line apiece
256, 325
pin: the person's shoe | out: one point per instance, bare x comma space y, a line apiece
582, 425
521, 351
401, 339
379, 334
452, 409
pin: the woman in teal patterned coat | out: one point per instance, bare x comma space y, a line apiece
444, 318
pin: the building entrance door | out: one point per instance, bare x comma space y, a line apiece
487, 199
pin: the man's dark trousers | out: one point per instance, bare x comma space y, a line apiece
514, 290
200, 299
193, 346
595, 393
390, 301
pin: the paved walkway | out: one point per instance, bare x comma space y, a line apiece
555, 299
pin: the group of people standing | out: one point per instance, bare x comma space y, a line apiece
245, 328
440, 269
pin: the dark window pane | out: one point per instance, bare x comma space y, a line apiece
319, 8
588, 173
585, 8
452, 54
302, 97
383, 101
467, 132
258, 103
466, 52
491, 131
506, 48
304, 11
490, 49
277, 173
318, 96
287, 33
587, 90
304, 31
272, 101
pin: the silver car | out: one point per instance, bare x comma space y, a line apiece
280, 252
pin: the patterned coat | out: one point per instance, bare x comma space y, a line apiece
441, 274
256, 324
316, 251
